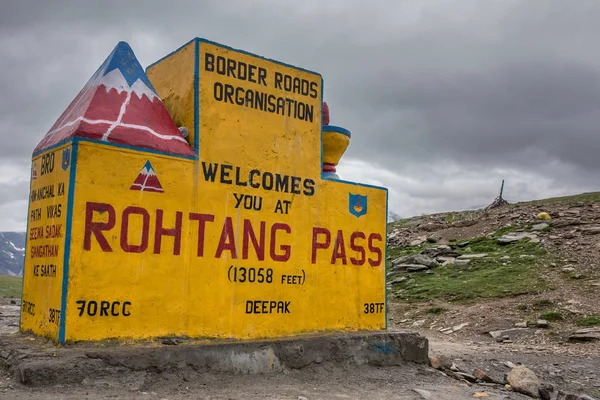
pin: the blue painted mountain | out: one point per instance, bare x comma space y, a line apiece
12, 253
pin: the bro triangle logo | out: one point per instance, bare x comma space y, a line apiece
147, 181
357, 204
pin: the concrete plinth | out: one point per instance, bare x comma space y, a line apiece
34, 363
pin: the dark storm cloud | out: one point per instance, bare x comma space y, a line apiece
444, 98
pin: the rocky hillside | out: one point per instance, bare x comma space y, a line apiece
525, 273
12, 253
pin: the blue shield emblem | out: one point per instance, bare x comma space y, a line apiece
357, 205
66, 158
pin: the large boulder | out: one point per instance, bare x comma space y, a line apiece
585, 335
524, 380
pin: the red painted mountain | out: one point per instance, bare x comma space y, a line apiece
119, 105
147, 180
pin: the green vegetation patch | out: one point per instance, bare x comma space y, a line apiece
552, 316
483, 278
592, 320
436, 310
10, 286
543, 303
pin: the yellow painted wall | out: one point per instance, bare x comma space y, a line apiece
46, 233
175, 78
315, 254
187, 294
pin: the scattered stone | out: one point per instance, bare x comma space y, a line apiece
483, 376
461, 263
585, 397
523, 380
446, 331
459, 327
585, 335
418, 323
451, 262
514, 237
594, 230
416, 268
467, 377
509, 364
508, 332
471, 256
439, 362
463, 244
423, 393
442, 250
432, 239
566, 396
569, 235
405, 267
393, 234
171, 342
398, 280
419, 259
542, 323
480, 394
546, 390
302, 398
540, 227
465, 223
418, 241
521, 325
505, 258
568, 270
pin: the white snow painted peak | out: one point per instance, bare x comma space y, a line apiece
148, 170
115, 80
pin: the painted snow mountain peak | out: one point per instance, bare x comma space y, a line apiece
147, 180
119, 105
123, 60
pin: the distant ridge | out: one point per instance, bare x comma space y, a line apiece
12, 253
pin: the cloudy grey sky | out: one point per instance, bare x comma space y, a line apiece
444, 98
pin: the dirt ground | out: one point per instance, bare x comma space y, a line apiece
570, 367
577, 373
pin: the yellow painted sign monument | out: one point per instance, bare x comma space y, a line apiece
199, 198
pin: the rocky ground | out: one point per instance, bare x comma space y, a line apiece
521, 280
510, 295
559, 374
